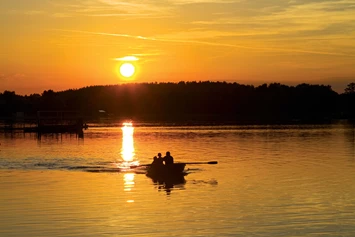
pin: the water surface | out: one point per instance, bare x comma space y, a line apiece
270, 181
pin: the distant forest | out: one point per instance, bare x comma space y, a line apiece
192, 101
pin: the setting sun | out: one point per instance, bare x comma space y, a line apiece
127, 69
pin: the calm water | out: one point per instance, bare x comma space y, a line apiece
270, 181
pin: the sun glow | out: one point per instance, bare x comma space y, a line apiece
127, 70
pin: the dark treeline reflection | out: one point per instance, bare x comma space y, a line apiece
194, 101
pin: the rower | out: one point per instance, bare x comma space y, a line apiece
160, 159
168, 159
155, 160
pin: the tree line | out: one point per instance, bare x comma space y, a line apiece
193, 101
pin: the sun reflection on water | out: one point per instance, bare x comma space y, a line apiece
128, 181
127, 155
127, 150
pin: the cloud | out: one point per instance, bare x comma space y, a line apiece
296, 25
191, 41
109, 8
157, 53
12, 77
101, 8
25, 12
61, 15
31, 13
107, 34
127, 58
214, 34
309, 16
182, 2
143, 57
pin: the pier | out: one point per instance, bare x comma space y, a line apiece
46, 122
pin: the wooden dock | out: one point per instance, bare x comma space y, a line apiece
49, 122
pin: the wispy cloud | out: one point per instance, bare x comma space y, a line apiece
182, 2
157, 53
107, 34
12, 77
143, 57
113, 8
25, 12
213, 33
61, 15
127, 58
295, 26
34, 12
210, 43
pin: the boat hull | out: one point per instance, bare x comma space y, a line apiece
173, 172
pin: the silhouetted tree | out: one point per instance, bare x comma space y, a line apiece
347, 102
350, 88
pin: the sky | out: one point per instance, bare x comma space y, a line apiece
69, 44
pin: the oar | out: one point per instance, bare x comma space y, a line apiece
199, 163
186, 163
141, 165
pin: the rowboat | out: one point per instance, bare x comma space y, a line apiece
174, 171
170, 171
171, 174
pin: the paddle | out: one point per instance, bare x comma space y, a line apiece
199, 163
135, 166
186, 163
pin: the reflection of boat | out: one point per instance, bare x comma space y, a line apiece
173, 173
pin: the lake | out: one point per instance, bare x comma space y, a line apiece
291, 180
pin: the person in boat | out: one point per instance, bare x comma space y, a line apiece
155, 160
168, 159
160, 160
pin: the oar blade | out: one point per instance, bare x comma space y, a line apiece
212, 162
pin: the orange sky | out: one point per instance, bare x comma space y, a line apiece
48, 44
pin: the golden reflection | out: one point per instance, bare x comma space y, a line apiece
127, 150
128, 184
128, 181
127, 154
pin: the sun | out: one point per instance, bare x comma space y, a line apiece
127, 69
